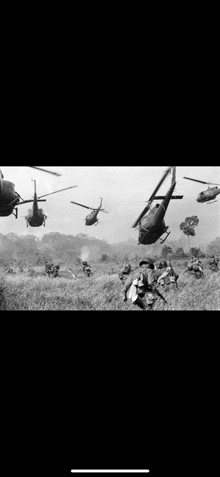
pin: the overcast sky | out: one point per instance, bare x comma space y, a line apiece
124, 191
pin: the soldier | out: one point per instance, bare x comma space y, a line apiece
31, 271
88, 271
50, 268
213, 263
123, 275
46, 267
165, 274
56, 271
84, 264
195, 265
142, 290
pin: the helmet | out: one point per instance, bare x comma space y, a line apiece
162, 264
147, 260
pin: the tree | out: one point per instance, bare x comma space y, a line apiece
180, 253
196, 252
104, 257
214, 247
188, 226
166, 251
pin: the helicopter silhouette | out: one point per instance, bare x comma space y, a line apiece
9, 198
208, 194
92, 217
35, 216
151, 224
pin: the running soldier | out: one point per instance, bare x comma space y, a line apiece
142, 290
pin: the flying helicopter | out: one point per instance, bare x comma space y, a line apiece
9, 198
92, 217
151, 224
35, 216
208, 194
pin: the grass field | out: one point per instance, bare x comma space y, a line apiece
102, 291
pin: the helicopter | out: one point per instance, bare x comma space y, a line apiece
209, 193
92, 217
35, 216
9, 198
151, 222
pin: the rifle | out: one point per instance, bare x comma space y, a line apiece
174, 274
160, 295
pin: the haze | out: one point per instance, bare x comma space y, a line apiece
125, 191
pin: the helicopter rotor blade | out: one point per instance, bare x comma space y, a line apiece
81, 205
151, 197
160, 183
56, 192
141, 215
196, 180
45, 170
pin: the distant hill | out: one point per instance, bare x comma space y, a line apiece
69, 250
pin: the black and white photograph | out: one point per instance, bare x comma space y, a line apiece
108, 238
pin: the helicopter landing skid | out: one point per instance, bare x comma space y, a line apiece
16, 213
162, 241
212, 202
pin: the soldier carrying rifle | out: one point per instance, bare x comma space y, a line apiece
142, 290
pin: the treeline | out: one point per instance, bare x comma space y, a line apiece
69, 250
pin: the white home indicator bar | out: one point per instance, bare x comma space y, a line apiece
109, 471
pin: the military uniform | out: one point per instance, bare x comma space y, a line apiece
195, 265
123, 275
165, 274
56, 271
140, 290
213, 263
49, 268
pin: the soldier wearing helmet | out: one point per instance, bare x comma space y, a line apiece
123, 275
140, 290
213, 263
162, 264
165, 275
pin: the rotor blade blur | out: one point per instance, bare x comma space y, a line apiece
45, 170
160, 183
141, 215
196, 180
56, 192
81, 205
152, 197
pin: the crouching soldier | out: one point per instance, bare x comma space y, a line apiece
142, 290
213, 263
123, 275
165, 274
88, 271
49, 268
195, 266
31, 271
56, 271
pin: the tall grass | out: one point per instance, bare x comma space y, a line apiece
103, 291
